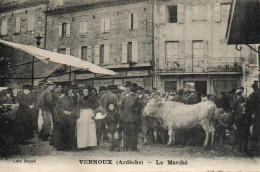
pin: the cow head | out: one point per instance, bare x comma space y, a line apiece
151, 108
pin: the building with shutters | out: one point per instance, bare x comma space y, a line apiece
113, 34
192, 51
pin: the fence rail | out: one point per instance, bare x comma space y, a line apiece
199, 65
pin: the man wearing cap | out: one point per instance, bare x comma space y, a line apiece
131, 118
24, 118
46, 106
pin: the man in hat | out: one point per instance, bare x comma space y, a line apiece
253, 107
179, 97
8, 99
47, 108
131, 118
24, 119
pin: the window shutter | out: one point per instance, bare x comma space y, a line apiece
135, 51
129, 21
107, 24
97, 54
206, 48
55, 50
124, 52
60, 30
68, 30
188, 49
181, 49
136, 21
79, 53
102, 27
32, 22
162, 13
4, 27
217, 12
89, 54
85, 27
106, 53
67, 51
17, 25
208, 12
180, 14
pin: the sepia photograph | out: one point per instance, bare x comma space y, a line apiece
130, 85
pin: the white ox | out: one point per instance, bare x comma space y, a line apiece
178, 115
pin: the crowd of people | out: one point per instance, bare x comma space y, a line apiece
80, 118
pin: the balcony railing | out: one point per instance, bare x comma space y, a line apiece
199, 65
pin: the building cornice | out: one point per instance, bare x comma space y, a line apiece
15, 6
70, 8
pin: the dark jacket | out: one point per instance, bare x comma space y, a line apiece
46, 101
89, 102
131, 108
108, 98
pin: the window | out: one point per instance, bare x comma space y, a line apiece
4, 27
31, 22
17, 25
172, 13
132, 21
199, 12
64, 30
129, 51
105, 25
172, 50
197, 49
83, 27
224, 11
84, 52
101, 54
62, 50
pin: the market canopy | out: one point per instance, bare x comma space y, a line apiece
46, 56
244, 22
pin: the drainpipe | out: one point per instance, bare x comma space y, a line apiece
154, 84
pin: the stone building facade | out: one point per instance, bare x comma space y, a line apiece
192, 51
115, 34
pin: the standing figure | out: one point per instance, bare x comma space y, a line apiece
24, 117
66, 119
131, 115
112, 125
86, 127
46, 106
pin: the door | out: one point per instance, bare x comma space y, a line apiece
170, 86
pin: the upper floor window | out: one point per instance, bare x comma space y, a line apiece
105, 25
172, 14
197, 49
129, 51
64, 30
101, 54
83, 27
31, 22
224, 11
84, 52
199, 13
172, 50
4, 27
132, 21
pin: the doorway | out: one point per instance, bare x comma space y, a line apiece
198, 86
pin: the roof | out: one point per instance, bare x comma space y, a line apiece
244, 24
79, 5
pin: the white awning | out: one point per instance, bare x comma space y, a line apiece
46, 56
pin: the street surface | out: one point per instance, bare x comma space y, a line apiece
37, 154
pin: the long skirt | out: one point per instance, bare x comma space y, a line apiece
86, 129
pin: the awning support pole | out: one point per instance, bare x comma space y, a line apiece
32, 71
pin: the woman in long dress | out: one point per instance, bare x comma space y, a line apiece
65, 122
86, 127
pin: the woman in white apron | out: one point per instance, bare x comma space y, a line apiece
86, 127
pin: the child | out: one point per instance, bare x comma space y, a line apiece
112, 125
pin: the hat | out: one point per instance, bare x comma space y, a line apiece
128, 84
238, 91
102, 88
8, 90
49, 83
112, 87
24, 87
233, 90
254, 85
